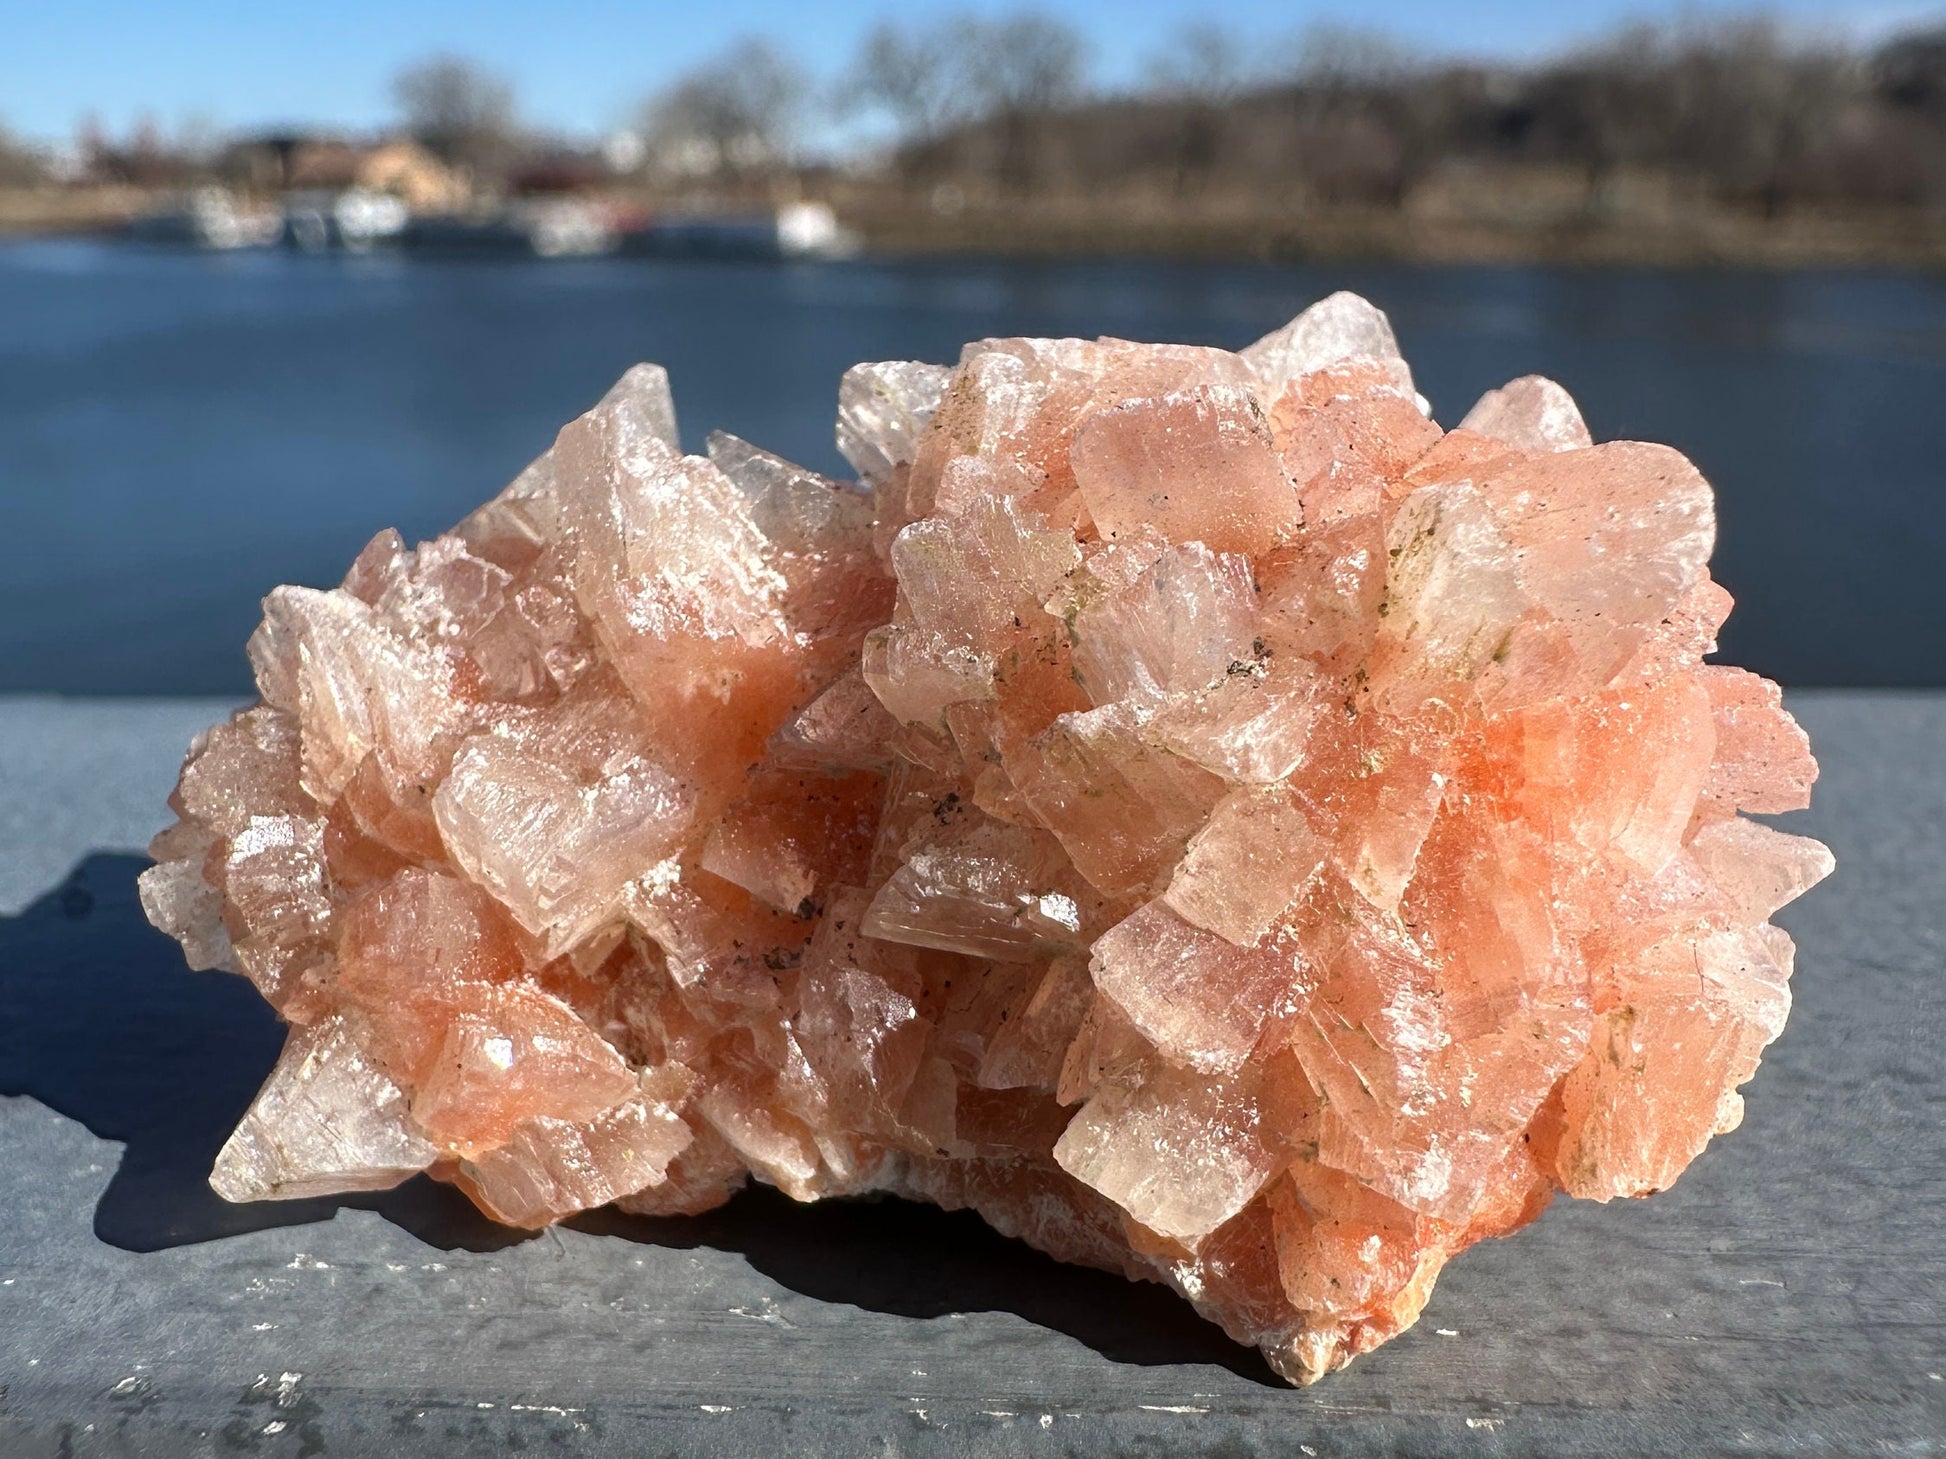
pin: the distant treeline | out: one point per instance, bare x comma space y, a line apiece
1749, 113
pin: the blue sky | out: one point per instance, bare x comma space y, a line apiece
579, 65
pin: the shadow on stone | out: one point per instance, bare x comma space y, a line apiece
101, 1021
913, 1260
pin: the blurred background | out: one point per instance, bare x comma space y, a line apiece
270, 281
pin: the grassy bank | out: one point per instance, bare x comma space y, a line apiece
1489, 228
32, 211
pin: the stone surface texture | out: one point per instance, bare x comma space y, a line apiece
1182, 805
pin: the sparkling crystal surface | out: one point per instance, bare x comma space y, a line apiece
1182, 805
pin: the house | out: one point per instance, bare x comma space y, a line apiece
396, 167
409, 172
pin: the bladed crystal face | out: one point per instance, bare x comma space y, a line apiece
1182, 805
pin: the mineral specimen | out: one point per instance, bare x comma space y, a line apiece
1186, 807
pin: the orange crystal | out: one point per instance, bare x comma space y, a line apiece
1186, 807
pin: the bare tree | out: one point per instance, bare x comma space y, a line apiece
969, 86
1334, 59
19, 167
1201, 71
459, 112
737, 114
910, 75
1201, 60
1019, 71
1750, 100
1024, 64
1362, 126
1610, 106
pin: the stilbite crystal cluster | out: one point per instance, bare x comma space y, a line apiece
1188, 808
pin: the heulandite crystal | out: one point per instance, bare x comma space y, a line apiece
1188, 808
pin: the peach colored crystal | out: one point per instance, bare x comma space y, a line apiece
1184, 806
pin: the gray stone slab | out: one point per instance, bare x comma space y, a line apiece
1785, 1298
81, 775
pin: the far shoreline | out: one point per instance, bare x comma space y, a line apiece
1082, 229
